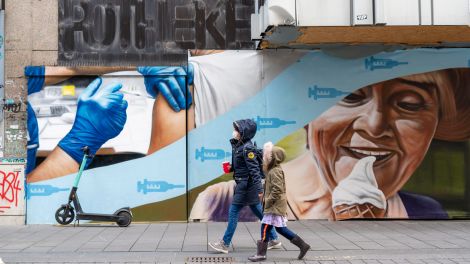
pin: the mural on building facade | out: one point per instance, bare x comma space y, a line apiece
362, 151
361, 134
109, 111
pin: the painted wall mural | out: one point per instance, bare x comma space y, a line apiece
383, 136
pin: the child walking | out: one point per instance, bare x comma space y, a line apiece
275, 204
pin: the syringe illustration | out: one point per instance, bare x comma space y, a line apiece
376, 64
324, 92
211, 154
156, 186
137, 94
271, 122
42, 190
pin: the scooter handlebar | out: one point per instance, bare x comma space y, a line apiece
86, 151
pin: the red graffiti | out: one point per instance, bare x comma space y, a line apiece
9, 188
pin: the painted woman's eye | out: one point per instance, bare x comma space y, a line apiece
410, 107
354, 98
412, 103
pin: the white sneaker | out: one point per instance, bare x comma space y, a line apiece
274, 244
219, 246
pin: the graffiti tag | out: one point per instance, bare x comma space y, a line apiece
9, 189
10, 105
12, 160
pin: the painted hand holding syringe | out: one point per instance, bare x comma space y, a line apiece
171, 82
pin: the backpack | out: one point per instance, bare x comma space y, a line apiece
259, 158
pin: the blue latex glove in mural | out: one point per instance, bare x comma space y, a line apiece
35, 75
101, 115
170, 82
33, 139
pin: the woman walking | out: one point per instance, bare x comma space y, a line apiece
249, 188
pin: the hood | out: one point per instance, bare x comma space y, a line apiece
247, 129
278, 155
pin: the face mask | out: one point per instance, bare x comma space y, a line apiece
235, 134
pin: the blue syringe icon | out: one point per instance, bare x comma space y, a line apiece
42, 190
211, 154
376, 64
324, 92
271, 122
156, 186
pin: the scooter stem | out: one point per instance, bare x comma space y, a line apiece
82, 167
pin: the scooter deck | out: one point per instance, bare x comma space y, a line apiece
97, 217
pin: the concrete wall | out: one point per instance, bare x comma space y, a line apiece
30, 39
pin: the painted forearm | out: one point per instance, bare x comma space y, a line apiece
57, 164
167, 125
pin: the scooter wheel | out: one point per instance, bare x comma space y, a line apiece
64, 215
125, 219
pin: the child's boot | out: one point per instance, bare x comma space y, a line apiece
304, 247
260, 252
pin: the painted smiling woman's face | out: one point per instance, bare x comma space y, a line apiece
394, 121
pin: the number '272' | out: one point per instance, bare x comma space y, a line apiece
361, 17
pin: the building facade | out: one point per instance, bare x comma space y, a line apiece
387, 129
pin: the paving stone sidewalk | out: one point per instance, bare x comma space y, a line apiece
352, 242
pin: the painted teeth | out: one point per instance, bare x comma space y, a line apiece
372, 153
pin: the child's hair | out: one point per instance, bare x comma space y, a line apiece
267, 154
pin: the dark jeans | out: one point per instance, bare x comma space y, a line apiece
284, 231
233, 213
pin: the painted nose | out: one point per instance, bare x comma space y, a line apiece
374, 123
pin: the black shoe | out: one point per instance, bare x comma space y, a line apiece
260, 252
304, 247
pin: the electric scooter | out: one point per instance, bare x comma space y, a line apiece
66, 212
